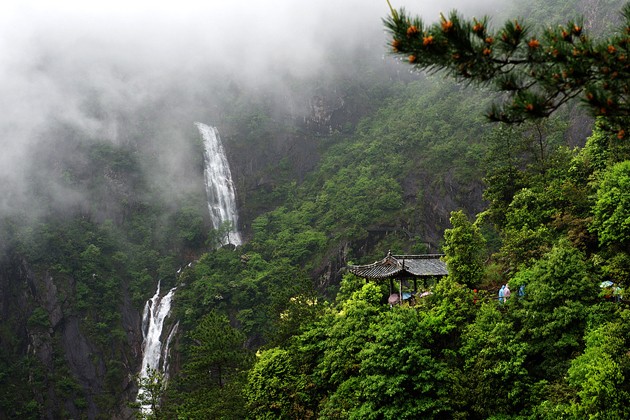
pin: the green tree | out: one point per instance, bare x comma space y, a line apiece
537, 73
402, 352
494, 357
214, 372
348, 333
398, 362
217, 352
276, 388
464, 246
190, 226
560, 287
150, 395
599, 374
612, 207
318, 365
503, 176
221, 235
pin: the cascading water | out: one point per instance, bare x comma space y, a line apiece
219, 185
156, 310
222, 207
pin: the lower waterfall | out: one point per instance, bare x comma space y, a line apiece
154, 358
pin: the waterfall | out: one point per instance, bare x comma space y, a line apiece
222, 207
219, 185
156, 310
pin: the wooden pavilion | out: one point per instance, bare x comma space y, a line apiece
402, 267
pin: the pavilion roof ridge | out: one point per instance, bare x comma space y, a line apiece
417, 256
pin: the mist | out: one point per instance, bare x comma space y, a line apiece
124, 72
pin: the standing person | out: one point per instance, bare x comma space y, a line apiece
506, 292
501, 293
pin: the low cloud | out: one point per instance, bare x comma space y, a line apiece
91, 65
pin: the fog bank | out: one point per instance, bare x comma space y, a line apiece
102, 67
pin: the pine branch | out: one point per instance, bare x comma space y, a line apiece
537, 73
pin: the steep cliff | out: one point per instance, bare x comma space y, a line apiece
62, 365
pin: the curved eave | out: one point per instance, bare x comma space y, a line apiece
376, 272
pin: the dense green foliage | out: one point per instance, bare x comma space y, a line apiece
454, 355
210, 381
555, 349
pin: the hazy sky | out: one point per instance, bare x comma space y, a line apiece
57, 47
233, 33
54, 55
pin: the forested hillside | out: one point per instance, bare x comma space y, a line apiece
555, 235
358, 157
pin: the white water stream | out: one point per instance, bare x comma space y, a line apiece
156, 310
219, 185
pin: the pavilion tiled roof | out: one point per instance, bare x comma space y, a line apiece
426, 265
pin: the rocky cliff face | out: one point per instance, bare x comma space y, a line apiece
69, 375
